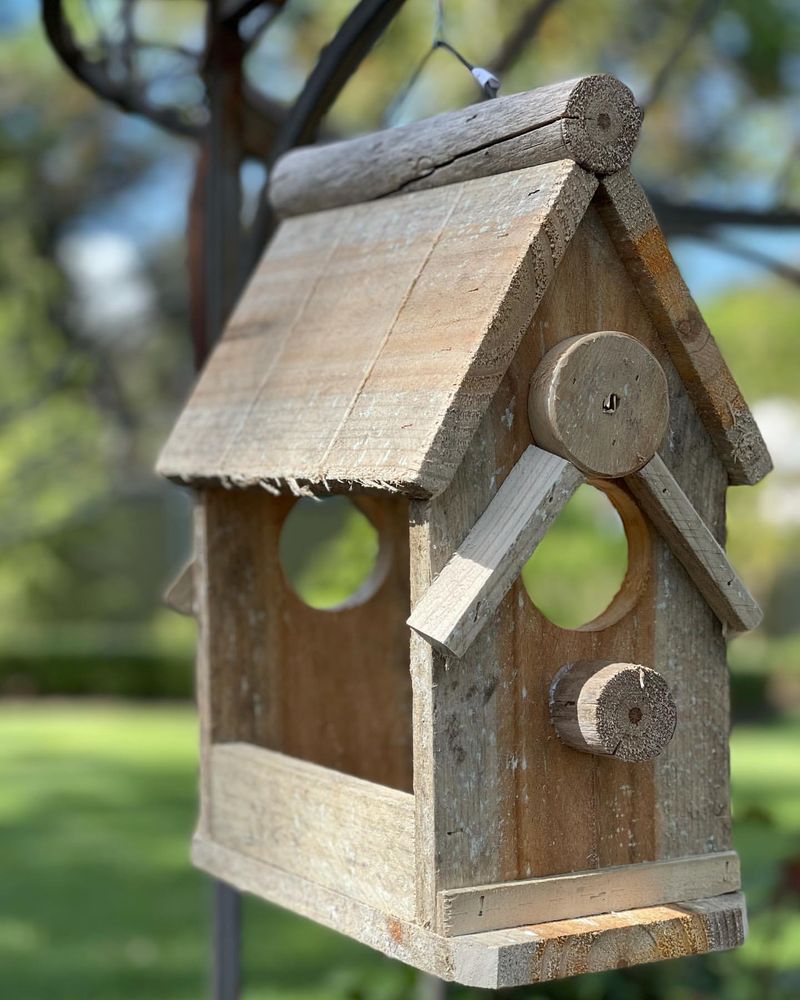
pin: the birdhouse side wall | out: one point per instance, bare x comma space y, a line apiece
498, 797
330, 687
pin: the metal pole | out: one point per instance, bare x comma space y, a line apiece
217, 277
227, 943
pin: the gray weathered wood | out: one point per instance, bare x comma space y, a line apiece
640, 242
601, 401
692, 542
465, 595
592, 120
180, 594
621, 710
346, 834
583, 894
398, 324
496, 959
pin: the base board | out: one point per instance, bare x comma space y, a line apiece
495, 959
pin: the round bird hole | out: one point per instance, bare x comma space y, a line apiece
577, 572
329, 552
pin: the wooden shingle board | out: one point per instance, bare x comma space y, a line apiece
495, 959
371, 338
640, 242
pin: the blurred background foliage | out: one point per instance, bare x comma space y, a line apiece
96, 898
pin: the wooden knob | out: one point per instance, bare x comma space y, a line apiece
620, 710
600, 401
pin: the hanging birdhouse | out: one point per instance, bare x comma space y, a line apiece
457, 324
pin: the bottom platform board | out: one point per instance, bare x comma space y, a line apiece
492, 959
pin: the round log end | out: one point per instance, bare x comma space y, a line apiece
602, 402
621, 710
602, 123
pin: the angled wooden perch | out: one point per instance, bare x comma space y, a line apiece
692, 543
467, 592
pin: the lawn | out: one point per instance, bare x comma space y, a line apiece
98, 902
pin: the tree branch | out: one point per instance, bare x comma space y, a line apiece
94, 74
520, 37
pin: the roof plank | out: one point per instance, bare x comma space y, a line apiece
641, 244
371, 338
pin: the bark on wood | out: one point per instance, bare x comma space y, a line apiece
592, 120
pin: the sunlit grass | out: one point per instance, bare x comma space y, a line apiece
98, 901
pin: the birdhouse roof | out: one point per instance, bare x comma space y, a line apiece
372, 336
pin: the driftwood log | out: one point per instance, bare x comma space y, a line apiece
592, 120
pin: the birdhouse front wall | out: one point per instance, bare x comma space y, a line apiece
498, 796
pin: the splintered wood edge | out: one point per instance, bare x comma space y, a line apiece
496, 959
592, 120
693, 544
642, 247
587, 893
478, 575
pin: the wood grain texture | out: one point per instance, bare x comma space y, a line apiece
499, 798
694, 545
372, 338
285, 676
694, 352
592, 120
349, 835
585, 894
465, 595
601, 401
495, 959
622, 710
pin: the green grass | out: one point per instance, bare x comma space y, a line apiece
98, 902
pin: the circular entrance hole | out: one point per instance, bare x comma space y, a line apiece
576, 575
329, 552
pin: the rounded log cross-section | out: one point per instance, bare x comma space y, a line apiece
601, 401
620, 710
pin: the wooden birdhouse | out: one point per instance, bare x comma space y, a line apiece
457, 323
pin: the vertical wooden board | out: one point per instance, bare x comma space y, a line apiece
331, 687
508, 800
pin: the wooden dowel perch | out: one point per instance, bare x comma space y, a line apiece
592, 120
621, 710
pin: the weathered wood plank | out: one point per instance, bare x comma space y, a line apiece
348, 309
349, 835
634, 228
583, 894
693, 544
268, 653
465, 595
495, 959
592, 120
